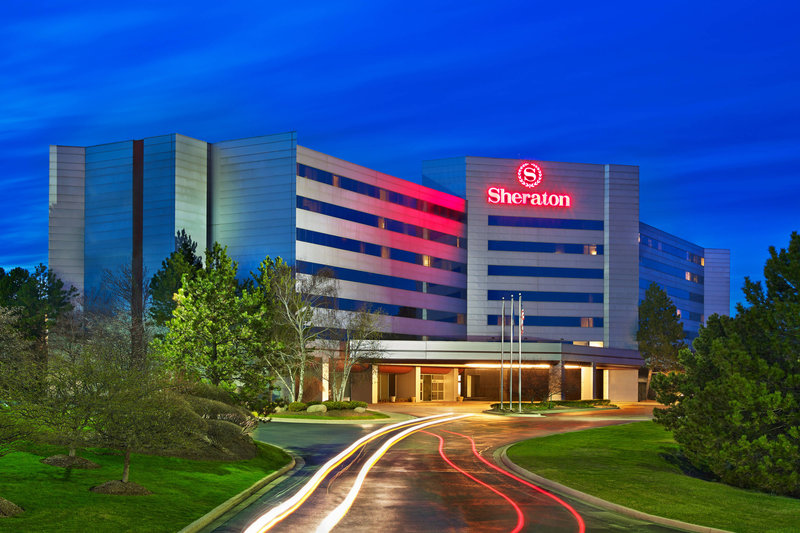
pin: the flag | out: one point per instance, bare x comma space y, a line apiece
521, 322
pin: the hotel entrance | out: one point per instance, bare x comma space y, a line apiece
431, 387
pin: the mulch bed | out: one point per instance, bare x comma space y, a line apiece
65, 461
119, 488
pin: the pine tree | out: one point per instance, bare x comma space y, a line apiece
166, 282
209, 330
660, 334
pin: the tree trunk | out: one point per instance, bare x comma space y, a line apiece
127, 467
72, 450
647, 388
301, 381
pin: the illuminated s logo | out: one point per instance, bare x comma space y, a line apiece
529, 174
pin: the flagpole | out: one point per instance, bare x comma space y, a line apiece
511, 360
519, 372
502, 349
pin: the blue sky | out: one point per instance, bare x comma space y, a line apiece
702, 96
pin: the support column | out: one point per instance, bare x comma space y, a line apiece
325, 378
375, 384
587, 382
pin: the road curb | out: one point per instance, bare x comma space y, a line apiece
594, 500
203, 522
393, 417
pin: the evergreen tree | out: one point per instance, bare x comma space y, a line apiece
736, 409
209, 330
660, 334
166, 282
40, 297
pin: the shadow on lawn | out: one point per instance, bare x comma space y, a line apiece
676, 458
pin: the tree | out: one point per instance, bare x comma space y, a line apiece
735, 410
660, 334
353, 339
209, 331
15, 375
302, 303
166, 282
40, 297
140, 413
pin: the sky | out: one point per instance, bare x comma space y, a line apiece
703, 96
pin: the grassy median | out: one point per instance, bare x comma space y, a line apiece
57, 499
638, 465
334, 414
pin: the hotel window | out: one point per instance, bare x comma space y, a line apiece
587, 322
590, 249
385, 252
426, 260
381, 222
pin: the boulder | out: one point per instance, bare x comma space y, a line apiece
319, 408
360, 410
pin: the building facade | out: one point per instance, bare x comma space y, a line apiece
441, 259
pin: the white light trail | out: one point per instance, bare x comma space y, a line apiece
333, 518
276, 514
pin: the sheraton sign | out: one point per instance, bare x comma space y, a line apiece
529, 175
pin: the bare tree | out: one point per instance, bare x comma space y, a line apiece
128, 292
292, 311
353, 339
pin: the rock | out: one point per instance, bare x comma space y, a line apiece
65, 461
319, 408
280, 409
8, 508
360, 410
119, 488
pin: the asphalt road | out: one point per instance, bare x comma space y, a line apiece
432, 480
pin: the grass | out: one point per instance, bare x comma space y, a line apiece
638, 465
55, 499
334, 414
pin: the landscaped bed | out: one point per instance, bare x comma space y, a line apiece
58, 499
328, 410
639, 466
554, 405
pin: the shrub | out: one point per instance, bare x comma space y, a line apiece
313, 402
353, 404
332, 404
296, 406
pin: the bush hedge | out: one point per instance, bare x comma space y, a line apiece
296, 406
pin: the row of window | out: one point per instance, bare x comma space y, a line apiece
545, 272
359, 276
671, 250
546, 247
674, 292
671, 270
534, 222
366, 189
403, 311
361, 247
353, 215
690, 315
551, 321
537, 296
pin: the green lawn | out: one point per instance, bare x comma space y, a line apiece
636, 465
334, 414
183, 490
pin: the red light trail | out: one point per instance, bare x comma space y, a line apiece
520, 517
568, 507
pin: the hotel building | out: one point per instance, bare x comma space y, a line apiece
441, 258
